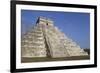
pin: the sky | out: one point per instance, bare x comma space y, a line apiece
74, 24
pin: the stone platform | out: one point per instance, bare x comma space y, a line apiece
45, 40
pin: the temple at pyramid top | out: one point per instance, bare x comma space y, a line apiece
45, 21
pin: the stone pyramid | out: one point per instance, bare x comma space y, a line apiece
46, 40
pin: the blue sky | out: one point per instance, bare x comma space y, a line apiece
74, 24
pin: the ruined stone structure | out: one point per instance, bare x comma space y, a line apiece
46, 40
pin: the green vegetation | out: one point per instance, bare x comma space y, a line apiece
25, 60
87, 50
